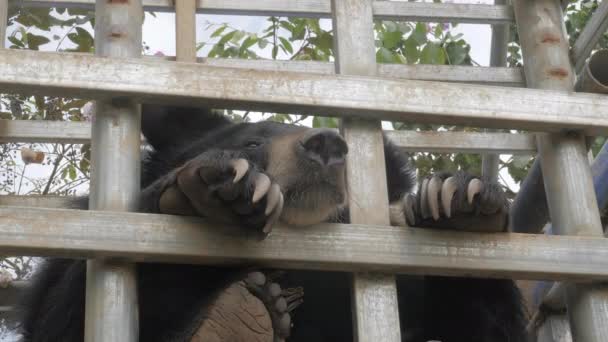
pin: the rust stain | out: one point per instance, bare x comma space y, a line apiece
560, 73
550, 38
115, 34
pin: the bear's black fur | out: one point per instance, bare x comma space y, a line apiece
182, 139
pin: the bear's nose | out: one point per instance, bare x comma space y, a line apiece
324, 146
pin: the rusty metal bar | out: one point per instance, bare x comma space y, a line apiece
111, 302
563, 156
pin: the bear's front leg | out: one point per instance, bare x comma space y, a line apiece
219, 185
457, 201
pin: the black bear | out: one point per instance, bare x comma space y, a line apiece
252, 175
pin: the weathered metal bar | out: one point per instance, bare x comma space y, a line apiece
392, 10
167, 238
3, 22
498, 57
374, 296
563, 157
59, 202
445, 142
185, 30
443, 12
347, 96
111, 310
69, 132
589, 37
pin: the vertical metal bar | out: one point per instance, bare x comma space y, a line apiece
375, 305
3, 22
498, 57
567, 176
185, 30
111, 303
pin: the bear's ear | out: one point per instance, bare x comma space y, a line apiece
166, 126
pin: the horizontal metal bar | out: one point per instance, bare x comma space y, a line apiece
512, 77
443, 12
69, 132
390, 10
166, 238
464, 142
37, 201
446, 142
589, 37
193, 84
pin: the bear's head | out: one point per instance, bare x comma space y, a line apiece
307, 163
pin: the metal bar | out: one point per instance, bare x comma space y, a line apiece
68, 132
498, 57
464, 142
374, 296
563, 157
353, 247
390, 10
413, 141
185, 30
3, 22
349, 96
60, 202
443, 12
589, 37
111, 302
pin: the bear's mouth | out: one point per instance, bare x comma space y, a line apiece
312, 203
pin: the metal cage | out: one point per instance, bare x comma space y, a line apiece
490, 97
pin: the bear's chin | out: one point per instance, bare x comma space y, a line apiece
312, 204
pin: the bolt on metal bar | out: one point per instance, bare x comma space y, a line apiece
374, 296
563, 156
111, 302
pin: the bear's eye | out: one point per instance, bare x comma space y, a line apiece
252, 144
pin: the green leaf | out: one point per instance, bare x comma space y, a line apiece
321, 121
218, 32
410, 47
226, 38
419, 34
249, 42
391, 40
457, 53
34, 41
286, 45
384, 55
432, 53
